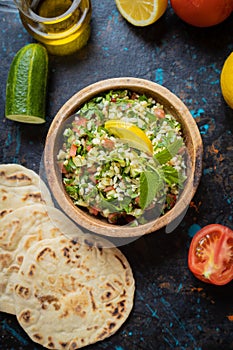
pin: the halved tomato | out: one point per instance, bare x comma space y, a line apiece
210, 256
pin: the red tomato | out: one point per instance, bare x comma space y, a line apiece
73, 150
210, 255
202, 13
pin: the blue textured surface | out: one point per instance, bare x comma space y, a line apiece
173, 310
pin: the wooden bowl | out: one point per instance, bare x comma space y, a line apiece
173, 105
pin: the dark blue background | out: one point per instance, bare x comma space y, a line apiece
172, 310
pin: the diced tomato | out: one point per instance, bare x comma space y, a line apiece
159, 112
76, 130
171, 199
88, 147
108, 188
62, 168
113, 217
109, 144
93, 211
80, 121
64, 171
73, 150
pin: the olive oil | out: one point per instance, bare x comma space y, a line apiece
63, 26
52, 8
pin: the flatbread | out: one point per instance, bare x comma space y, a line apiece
72, 293
67, 288
16, 175
20, 186
19, 230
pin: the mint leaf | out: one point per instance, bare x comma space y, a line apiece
114, 205
170, 175
150, 184
72, 191
104, 204
168, 153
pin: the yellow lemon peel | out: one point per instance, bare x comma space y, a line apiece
130, 133
226, 80
141, 12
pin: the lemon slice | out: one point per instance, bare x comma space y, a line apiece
226, 80
130, 133
141, 12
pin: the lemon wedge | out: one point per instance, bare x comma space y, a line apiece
226, 80
141, 12
130, 133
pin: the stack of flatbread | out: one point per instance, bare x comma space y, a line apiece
20, 186
67, 289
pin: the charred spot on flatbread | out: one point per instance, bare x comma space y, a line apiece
46, 300
22, 291
37, 337
19, 231
93, 291
5, 212
25, 317
5, 259
44, 252
20, 186
36, 196
17, 177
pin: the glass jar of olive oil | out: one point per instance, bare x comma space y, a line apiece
62, 26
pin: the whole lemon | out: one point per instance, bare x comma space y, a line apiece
226, 80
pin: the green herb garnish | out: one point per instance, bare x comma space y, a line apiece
150, 184
168, 153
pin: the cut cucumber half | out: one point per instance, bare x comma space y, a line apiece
27, 85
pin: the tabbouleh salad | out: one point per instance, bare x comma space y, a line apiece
109, 177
